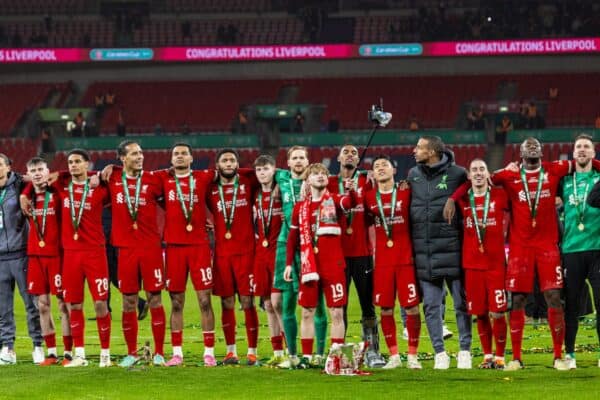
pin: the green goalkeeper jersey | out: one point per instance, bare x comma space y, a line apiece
290, 193
581, 222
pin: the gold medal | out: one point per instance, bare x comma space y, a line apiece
42, 243
581, 226
189, 227
227, 235
265, 243
135, 225
390, 243
316, 250
481, 250
533, 223
349, 230
76, 236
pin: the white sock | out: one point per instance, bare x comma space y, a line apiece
232, 348
177, 351
252, 350
209, 351
105, 352
67, 353
80, 352
488, 356
278, 353
307, 356
52, 351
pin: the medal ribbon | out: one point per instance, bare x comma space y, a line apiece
533, 207
266, 225
580, 209
187, 211
387, 227
349, 214
76, 220
133, 209
229, 218
486, 205
40, 231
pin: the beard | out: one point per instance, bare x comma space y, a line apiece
228, 175
349, 166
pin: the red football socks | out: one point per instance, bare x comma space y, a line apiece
228, 322
307, 346
158, 328
413, 326
68, 342
277, 342
50, 340
517, 323
77, 328
556, 321
499, 330
251, 326
209, 339
104, 325
388, 327
130, 331
484, 328
176, 338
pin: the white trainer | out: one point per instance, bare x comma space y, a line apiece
514, 365
464, 360
571, 362
561, 365
7, 356
446, 333
38, 355
442, 361
412, 362
105, 361
77, 361
393, 362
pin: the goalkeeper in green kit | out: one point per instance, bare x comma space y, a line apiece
290, 184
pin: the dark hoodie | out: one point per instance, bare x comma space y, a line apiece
13, 235
436, 244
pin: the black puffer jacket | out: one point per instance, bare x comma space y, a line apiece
436, 244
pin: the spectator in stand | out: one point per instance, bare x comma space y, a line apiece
79, 125
242, 121
597, 123
109, 98
47, 145
334, 124
472, 119
121, 128
523, 112
553, 93
99, 103
413, 124
503, 129
299, 122
479, 121
532, 116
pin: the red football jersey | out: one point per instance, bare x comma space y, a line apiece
123, 233
355, 243
51, 231
331, 245
401, 253
175, 231
90, 232
242, 228
276, 219
493, 238
522, 231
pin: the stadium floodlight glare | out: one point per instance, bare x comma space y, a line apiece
64, 116
282, 113
503, 108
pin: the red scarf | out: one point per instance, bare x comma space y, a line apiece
328, 225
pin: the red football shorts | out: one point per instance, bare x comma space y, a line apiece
80, 265
524, 262
484, 290
196, 260
390, 281
332, 281
264, 269
233, 275
43, 275
140, 262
